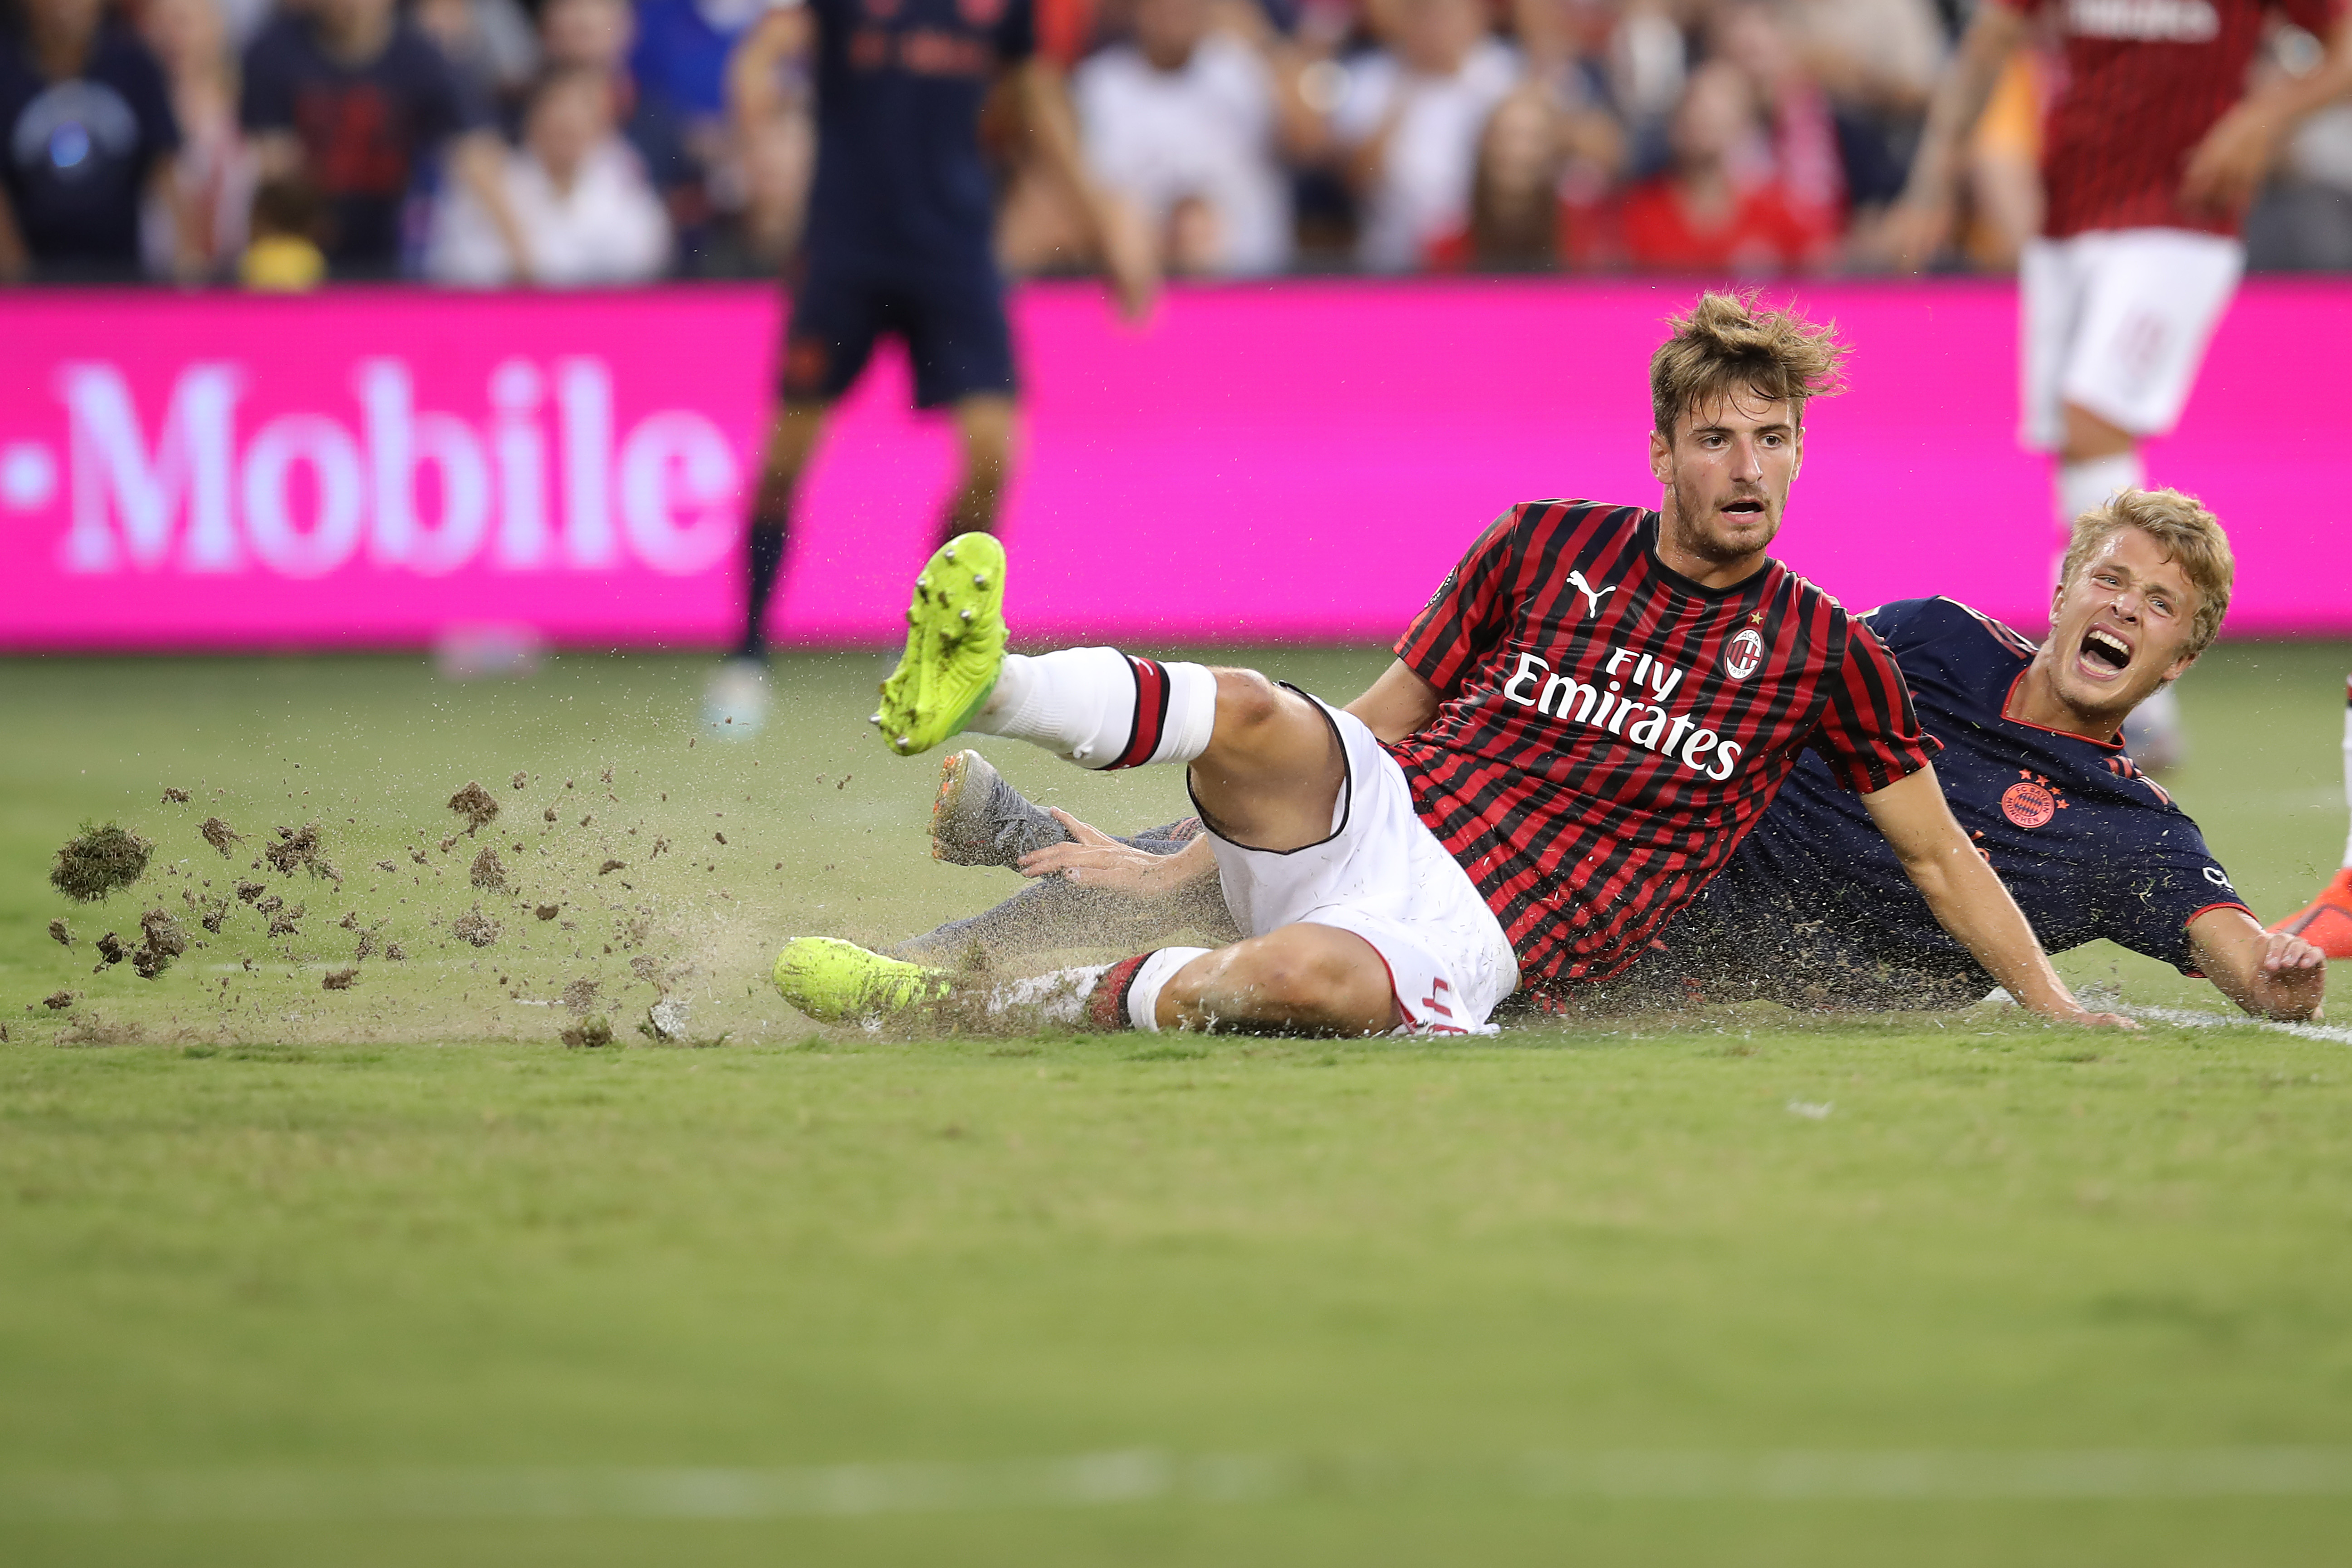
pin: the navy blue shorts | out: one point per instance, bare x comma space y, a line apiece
952, 324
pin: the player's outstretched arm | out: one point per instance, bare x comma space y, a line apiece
1969, 899
2267, 973
2227, 168
1126, 251
1397, 704
1921, 221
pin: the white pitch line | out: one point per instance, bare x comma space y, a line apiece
1140, 1476
2191, 1018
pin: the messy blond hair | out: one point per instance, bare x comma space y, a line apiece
2190, 536
1731, 343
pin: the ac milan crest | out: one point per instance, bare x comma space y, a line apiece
1743, 652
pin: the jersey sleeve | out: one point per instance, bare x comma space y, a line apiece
2160, 882
1470, 612
1869, 735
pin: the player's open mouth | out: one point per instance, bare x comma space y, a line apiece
2104, 651
1744, 507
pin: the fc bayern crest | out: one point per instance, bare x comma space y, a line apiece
1743, 654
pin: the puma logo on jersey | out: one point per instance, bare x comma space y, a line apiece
1593, 595
2147, 21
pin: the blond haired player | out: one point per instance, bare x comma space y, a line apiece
2153, 151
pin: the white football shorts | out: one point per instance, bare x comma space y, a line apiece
1383, 876
2117, 322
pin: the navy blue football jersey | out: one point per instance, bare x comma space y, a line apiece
1814, 906
900, 185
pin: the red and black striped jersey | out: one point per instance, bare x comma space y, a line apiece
2146, 79
1607, 730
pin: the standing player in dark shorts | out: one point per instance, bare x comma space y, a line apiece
1597, 706
898, 244
2154, 151
1814, 910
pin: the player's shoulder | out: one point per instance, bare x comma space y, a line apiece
1912, 623
1547, 518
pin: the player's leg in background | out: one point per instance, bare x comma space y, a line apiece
984, 423
737, 699
2327, 921
2150, 302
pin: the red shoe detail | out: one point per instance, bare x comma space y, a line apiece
2327, 921
1107, 1008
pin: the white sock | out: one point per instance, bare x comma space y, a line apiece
1060, 996
1099, 709
1143, 992
2348, 766
2082, 486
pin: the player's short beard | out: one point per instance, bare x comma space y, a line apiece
1699, 543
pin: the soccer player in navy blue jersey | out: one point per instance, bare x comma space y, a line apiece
1815, 908
898, 244
2032, 765
1596, 706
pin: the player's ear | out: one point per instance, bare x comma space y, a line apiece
1796, 452
1662, 457
2180, 668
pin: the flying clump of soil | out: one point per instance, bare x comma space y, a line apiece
489, 872
475, 804
166, 942
59, 934
339, 979
300, 850
99, 861
220, 835
475, 928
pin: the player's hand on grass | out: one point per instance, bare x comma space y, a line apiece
2083, 1017
2227, 168
1094, 859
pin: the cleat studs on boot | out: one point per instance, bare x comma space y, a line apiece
876, 721
966, 615
949, 554
980, 579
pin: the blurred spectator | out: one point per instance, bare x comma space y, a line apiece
1410, 116
1514, 209
1799, 147
90, 135
597, 35
1182, 124
282, 255
1700, 216
588, 213
359, 102
1878, 61
489, 42
776, 164
213, 171
680, 61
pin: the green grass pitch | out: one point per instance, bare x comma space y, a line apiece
388, 1274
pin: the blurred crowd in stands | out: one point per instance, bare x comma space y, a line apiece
590, 142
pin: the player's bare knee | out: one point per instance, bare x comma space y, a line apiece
1245, 700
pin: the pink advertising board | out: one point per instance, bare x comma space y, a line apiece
1294, 461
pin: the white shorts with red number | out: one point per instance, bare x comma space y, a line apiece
1384, 877
2117, 322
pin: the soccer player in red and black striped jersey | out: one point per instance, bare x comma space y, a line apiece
2153, 151
1598, 704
